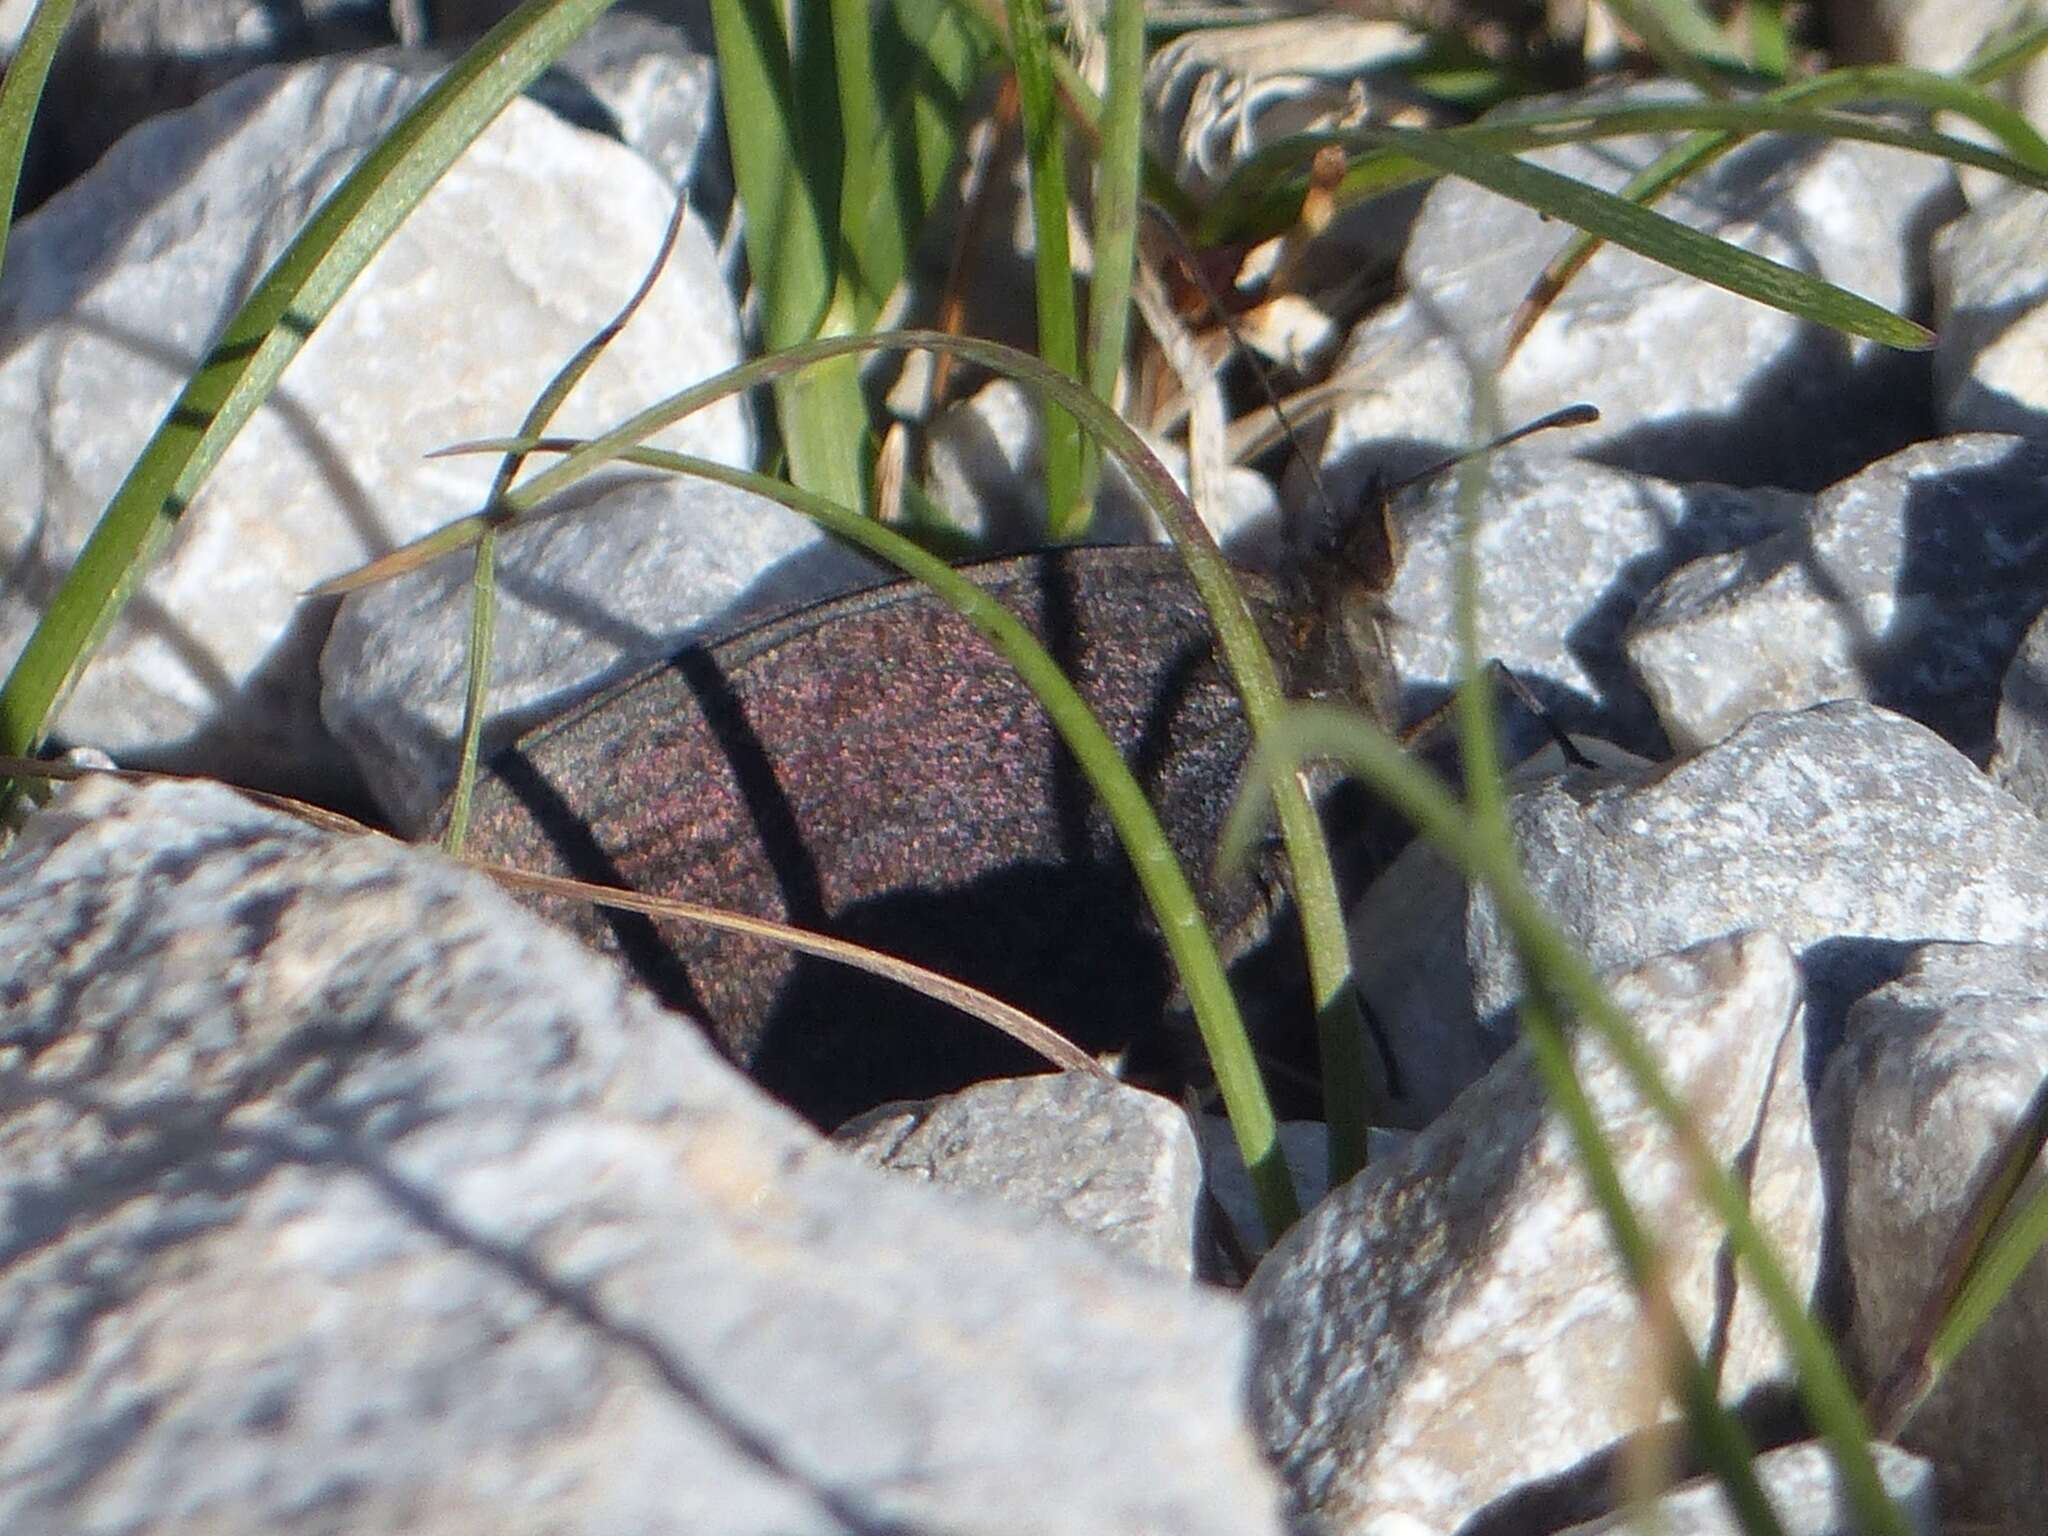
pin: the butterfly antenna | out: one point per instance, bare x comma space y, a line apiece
1579, 415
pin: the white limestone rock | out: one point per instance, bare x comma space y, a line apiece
338, 1193
1453, 1324
114, 290
1909, 585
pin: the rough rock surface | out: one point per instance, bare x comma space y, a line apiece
1938, 1067
114, 289
1453, 1325
1848, 830
1568, 549
1909, 585
339, 1194
1093, 1154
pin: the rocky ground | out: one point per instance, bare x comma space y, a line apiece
339, 1192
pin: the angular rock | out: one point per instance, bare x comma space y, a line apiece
1848, 830
1752, 397
113, 292
2021, 761
1989, 374
1090, 1153
338, 1193
1567, 550
1453, 1325
1909, 585
1800, 1482
1938, 1066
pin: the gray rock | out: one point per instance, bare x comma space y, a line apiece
1993, 326
1090, 1153
1566, 550
1751, 397
2021, 761
114, 289
1850, 831
1453, 1325
1909, 586
341, 1195
1800, 1482
640, 567
1937, 1068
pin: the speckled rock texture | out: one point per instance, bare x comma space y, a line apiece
339, 1194
114, 290
1909, 585
1090, 1153
1939, 1066
1848, 830
1453, 1324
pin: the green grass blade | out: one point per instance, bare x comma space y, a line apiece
1990, 1279
1688, 158
1563, 980
2002, 56
928, 55
27, 73
1680, 37
1264, 193
1118, 174
1985, 1256
1720, 1436
786, 169
1770, 40
300, 289
1724, 1444
483, 629
1067, 515
860, 135
1666, 240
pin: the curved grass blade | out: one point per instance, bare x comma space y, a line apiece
483, 604
1020, 1026
1264, 193
1878, 83
298, 292
1667, 241
1165, 884
1244, 652
27, 72
1564, 982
